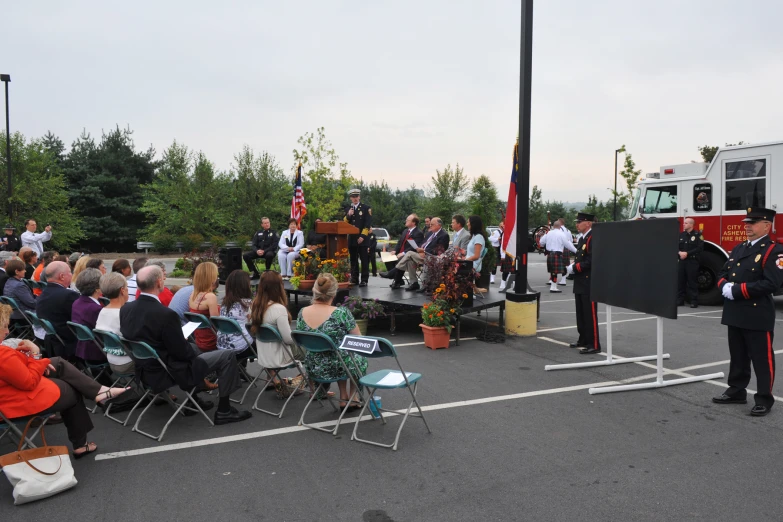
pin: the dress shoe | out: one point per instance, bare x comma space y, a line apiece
395, 285
694, 305
725, 399
362, 284
204, 405
233, 415
412, 287
759, 410
385, 275
588, 351
354, 282
577, 345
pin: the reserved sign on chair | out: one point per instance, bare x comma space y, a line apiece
359, 344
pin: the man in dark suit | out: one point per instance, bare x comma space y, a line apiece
264, 246
359, 215
586, 308
753, 273
54, 304
413, 233
435, 244
5, 257
147, 320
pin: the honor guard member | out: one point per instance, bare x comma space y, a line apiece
586, 309
752, 274
372, 254
360, 216
691, 246
265, 245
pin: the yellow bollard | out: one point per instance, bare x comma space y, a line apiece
521, 314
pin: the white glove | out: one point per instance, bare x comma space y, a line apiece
727, 291
570, 269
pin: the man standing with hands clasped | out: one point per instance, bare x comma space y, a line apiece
360, 216
752, 274
586, 309
691, 245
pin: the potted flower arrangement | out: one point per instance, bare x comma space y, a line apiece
449, 279
339, 267
437, 320
363, 310
306, 270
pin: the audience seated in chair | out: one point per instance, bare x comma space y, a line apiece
30, 259
5, 257
85, 311
291, 242
55, 304
31, 386
96, 263
17, 290
80, 265
138, 264
147, 320
114, 287
204, 301
236, 305
166, 295
336, 322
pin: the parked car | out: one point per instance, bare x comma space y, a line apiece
384, 239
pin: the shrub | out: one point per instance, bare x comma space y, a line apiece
164, 243
192, 241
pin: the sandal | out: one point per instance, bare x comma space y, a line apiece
86, 451
109, 395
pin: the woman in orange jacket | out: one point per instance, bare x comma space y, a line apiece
31, 385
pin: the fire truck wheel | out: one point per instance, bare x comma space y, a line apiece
709, 267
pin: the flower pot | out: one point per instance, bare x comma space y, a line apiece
306, 284
343, 286
435, 337
362, 324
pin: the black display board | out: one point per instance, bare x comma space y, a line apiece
634, 265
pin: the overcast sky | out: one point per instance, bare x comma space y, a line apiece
405, 87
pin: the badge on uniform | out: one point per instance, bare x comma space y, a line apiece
693, 238
584, 247
757, 258
360, 212
779, 263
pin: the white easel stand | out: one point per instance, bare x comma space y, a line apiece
609, 360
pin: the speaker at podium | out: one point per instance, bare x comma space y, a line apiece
230, 260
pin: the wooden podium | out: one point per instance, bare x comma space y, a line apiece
336, 235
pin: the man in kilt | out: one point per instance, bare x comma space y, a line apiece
555, 241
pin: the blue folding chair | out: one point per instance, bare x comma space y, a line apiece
82, 333
269, 334
113, 345
316, 342
227, 325
374, 381
142, 351
11, 428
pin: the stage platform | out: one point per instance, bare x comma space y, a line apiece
401, 302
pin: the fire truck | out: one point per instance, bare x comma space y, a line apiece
717, 196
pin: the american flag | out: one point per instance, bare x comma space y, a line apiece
298, 206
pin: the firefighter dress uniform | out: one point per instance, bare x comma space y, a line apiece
361, 219
586, 308
755, 272
688, 268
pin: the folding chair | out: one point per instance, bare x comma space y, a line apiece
316, 342
143, 351
270, 334
111, 344
202, 320
44, 324
227, 325
30, 284
373, 382
41, 284
10, 427
82, 333
104, 300
10, 301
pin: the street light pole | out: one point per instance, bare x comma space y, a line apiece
6, 78
618, 151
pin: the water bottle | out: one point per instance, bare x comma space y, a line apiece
373, 409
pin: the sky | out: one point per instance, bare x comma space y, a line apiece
404, 88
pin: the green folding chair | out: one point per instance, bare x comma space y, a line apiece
82, 333
30, 284
229, 326
44, 324
375, 381
202, 320
112, 345
316, 342
10, 301
142, 351
269, 334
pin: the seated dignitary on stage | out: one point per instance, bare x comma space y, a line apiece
147, 320
291, 242
31, 385
411, 233
54, 304
461, 237
435, 244
316, 242
265, 245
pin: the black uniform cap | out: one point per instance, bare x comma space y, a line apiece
583, 216
759, 214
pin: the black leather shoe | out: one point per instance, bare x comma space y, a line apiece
232, 416
588, 351
384, 275
694, 305
412, 287
577, 345
725, 399
204, 405
362, 284
759, 410
395, 285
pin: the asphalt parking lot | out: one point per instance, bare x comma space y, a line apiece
510, 441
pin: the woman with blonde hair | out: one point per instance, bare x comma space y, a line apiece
336, 322
80, 265
204, 301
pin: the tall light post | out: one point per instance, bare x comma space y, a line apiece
618, 151
6, 79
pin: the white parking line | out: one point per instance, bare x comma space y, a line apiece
628, 321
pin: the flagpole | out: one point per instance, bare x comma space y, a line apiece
523, 177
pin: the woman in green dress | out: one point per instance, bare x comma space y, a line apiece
336, 322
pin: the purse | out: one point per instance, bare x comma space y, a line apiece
38, 473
